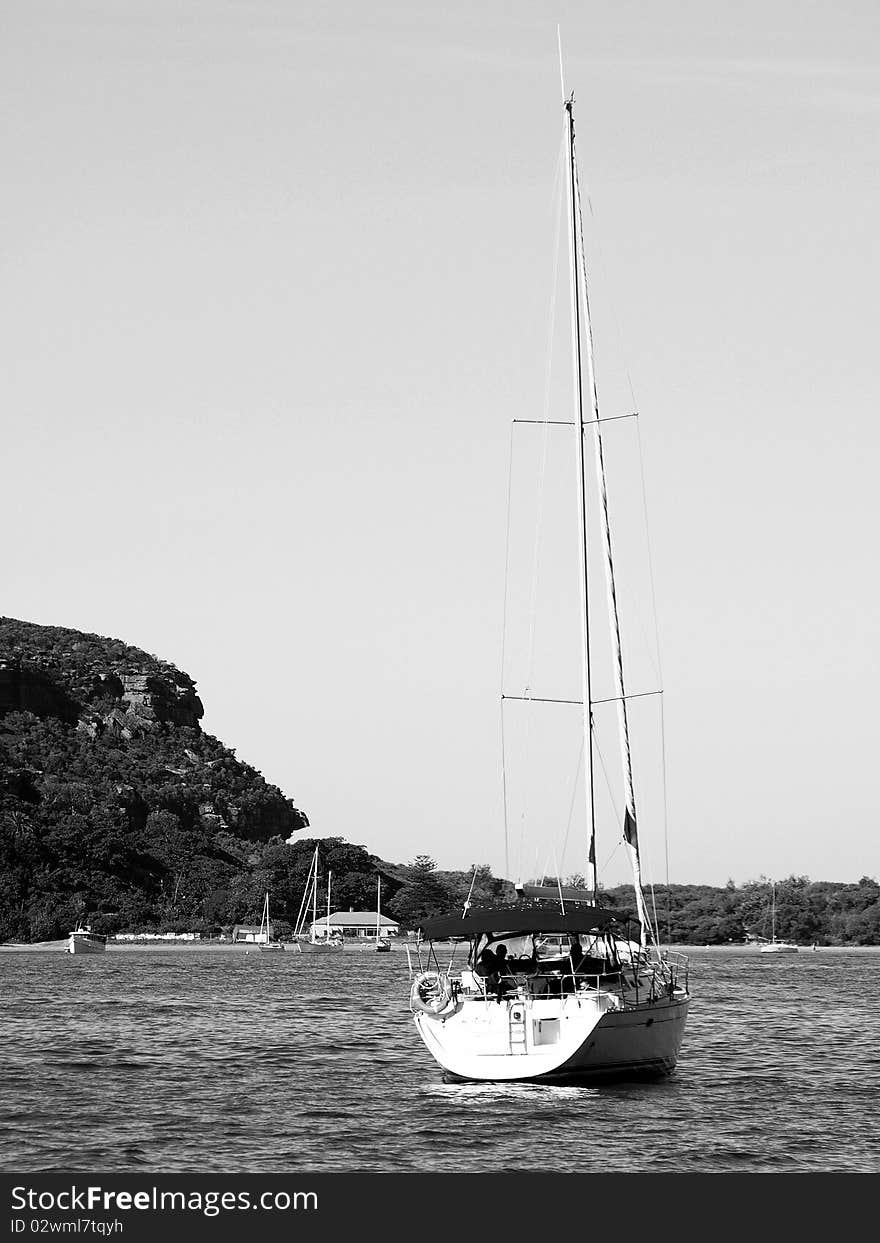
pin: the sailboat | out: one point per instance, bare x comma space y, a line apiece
265, 941
773, 946
317, 940
558, 988
383, 946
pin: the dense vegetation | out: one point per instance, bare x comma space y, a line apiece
113, 802
821, 912
807, 912
115, 806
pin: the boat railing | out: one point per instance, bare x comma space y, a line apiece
668, 970
538, 984
675, 967
647, 980
652, 974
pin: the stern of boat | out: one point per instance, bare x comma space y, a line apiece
596, 1031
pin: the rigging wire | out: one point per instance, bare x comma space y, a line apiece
630, 818
611, 795
621, 841
655, 653
556, 869
541, 489
574, 787
556, 201
632, 601
665, 825
651, 580
467, 900
503, 654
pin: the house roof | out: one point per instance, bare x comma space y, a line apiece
355, 919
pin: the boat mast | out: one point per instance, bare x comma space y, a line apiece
315, 897
302, 914
378, 901
577, 373
329, 874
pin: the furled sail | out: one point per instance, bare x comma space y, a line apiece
630, 831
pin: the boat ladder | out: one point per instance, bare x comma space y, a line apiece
517, 1028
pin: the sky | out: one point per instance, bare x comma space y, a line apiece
276, 278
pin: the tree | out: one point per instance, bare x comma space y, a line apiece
423, 896
477, 885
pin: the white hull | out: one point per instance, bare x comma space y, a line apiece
272, 946
572, 1039
316, 947
86, 943
779, 947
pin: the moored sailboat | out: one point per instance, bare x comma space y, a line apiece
319, 939
773, 946
265, 941
383, 945
556, 987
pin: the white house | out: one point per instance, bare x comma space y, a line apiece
356, 924
249, 933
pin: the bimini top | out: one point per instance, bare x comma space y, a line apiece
516, 919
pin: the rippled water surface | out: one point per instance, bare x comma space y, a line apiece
188, 1060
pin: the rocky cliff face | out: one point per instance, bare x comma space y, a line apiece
100, 683
132, 712
113, 800
170, 699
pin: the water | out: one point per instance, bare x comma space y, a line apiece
198, 1061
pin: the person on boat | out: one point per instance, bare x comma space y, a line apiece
492, 966
500, 981
487, 963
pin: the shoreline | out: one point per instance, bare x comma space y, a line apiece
244, 947
175, 947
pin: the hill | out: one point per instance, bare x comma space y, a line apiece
113, 801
